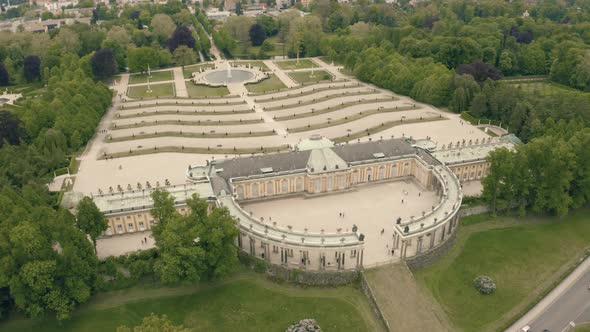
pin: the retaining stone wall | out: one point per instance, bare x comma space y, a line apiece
433, 255
309, 278
373, 301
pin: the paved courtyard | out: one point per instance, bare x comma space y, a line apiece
372, 208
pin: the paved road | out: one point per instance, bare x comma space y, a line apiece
569, 301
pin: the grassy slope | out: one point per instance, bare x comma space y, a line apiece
157, 76
158, 90
270, 84
245, 303
519, 256
303, 77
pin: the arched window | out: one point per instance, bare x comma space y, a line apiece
270, 188
284, 186
355, 177
240, 192
299, 184
369, 174
381, 173
316, 185
394, 170
255, 190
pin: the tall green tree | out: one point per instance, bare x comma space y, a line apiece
90, 220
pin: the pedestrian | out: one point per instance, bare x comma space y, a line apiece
392, 252
402, 201
382, 231
419, 194
145, 239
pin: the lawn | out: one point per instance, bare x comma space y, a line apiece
253, 63
158, 90
305, 77
189, 70
270, 84
197, 91
293, 64
246, 303
157, 76
520, 254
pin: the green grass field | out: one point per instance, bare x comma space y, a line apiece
157, 76
158, 90
292, 64
188, 71
269, 84
197, 91
304, 77
520, 254
253, 63
246, 303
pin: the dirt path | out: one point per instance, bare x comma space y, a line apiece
404, 305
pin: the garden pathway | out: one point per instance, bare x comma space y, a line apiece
281, 74
405, 306
179, 83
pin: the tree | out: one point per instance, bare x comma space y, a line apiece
239, 10
90, 220
163, 210
4, 77
181, 36
32, 68
103, 63
199, 245
257, 34
480, 71
153, 323
140, 57
68, 40
184, 56
162, 27
267, 46
269, 24
10, 128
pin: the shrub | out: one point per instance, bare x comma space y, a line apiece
484, 284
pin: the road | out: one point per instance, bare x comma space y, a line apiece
568, 302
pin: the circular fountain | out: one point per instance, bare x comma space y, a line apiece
230, 75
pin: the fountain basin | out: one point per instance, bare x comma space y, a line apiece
225, 77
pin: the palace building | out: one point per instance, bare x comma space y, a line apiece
315, 167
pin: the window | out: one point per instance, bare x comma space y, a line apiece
290, 252
262, 244
255, 190
240, 192
353, 253
119, 228
299, 184
275, 249
342, 182
284, 186
128, 217
270, 188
